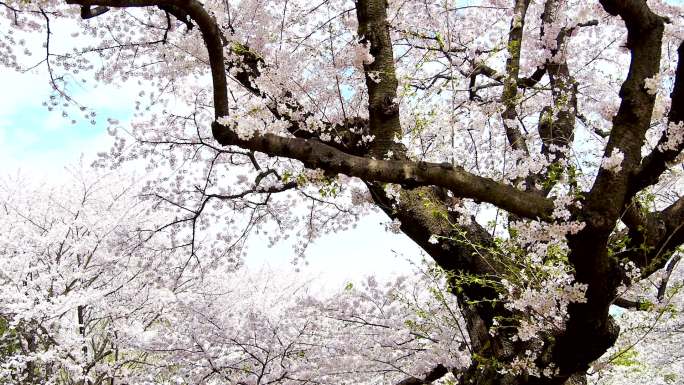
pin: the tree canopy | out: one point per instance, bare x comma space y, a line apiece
531, 149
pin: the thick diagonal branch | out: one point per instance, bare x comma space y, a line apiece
611, 191
315, 154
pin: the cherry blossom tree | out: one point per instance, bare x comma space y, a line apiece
91, 296
71, 272
531, 149
79, 274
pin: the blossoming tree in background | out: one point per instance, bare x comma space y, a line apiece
91, 296
531, 149
75, 268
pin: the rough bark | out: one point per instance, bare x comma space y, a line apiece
381, 81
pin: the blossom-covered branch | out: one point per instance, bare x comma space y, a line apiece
315, 154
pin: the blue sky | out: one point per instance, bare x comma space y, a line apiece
41, 142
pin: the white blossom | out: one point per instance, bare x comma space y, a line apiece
614, 161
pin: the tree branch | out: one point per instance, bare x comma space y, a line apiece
556, 125
383, 108
662, 288
315, 154
653, 237
557, 130
628, 303
510, 91
655, 163
610, 192
211, 34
